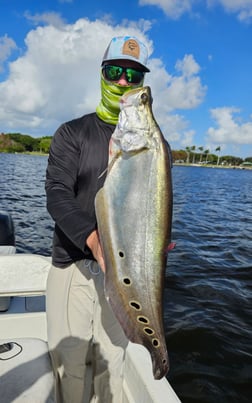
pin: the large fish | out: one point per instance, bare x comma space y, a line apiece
134, 212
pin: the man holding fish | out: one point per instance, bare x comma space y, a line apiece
83, 324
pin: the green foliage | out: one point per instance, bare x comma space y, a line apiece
17, 142
231, 160
204, 157
45, 144
29, 143
179, 155
8, 145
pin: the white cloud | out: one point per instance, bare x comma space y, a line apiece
6, 46
173, 8
170, 93
181, 91
58, 78
176, 8
243, 8
51, 18
187, 138
229, 128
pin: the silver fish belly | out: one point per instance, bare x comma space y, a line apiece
134, 213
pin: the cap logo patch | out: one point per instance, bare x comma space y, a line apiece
131, 48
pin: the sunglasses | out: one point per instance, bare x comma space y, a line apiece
114, 73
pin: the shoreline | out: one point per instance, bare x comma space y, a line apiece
212, 166
184, 164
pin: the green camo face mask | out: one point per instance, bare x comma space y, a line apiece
108, 108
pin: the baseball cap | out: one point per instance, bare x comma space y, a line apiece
127, 48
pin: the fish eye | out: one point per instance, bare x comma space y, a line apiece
144, 98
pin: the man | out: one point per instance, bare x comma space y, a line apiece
81, 323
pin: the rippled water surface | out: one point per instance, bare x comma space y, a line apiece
208, 288
22, 194
208, 301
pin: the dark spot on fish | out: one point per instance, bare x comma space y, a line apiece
144, 98
156, 343
135, 305
143, 319
127, 281
121, 254
149, 331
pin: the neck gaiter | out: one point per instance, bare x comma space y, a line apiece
108, 108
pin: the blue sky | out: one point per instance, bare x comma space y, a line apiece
200, 60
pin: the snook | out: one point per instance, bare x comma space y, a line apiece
134, 213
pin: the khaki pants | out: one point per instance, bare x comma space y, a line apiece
83, 329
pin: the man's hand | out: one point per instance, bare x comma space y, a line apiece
93, 242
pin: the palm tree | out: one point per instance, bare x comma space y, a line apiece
218, 149
193, 148
188, 149
206, 152
201, 148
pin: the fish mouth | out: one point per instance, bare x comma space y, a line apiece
142, 94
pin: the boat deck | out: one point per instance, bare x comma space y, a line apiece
23, 283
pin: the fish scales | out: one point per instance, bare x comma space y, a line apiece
134, 210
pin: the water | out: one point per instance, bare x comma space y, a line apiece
208, 288
208, 295
22, 194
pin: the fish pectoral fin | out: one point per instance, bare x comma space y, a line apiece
111, 163
103, 173
113, 160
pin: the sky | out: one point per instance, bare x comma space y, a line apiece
200, 57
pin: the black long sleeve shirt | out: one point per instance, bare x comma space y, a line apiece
78, 156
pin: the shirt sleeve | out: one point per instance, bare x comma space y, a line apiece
61, 182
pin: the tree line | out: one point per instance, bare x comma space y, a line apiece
200, 155
20, 143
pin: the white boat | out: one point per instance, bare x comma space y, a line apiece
25, 369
